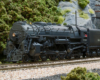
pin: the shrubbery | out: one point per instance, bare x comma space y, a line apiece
60, 19
83, 3
65, 24
81, 74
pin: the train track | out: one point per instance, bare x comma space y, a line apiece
45, 64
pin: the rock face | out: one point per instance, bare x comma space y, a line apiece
95, 4
97, 8
82, 20
92, 4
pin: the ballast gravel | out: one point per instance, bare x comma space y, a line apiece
47, 73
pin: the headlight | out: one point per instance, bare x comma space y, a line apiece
13, 34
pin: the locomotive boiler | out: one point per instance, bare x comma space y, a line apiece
40, 41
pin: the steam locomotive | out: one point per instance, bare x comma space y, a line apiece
40, 41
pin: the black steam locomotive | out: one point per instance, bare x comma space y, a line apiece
42, 40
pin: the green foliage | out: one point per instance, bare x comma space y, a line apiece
17, 62
80, 73
71, 2
11, 62
83, 3
91, 11
48, 59
93, 76
83, 15
0, 62
20, 61
65, 24
2, 44
65, 11
60, 19
62, 0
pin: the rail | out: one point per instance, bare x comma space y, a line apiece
44, 64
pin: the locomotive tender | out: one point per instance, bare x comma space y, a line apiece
42, 40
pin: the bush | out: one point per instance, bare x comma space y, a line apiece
60, 19
83, 3
64, 23
0, 62
81, 74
